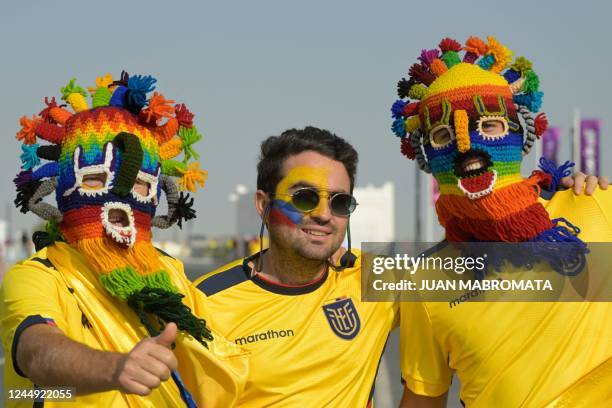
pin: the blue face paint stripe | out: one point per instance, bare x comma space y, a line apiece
288, 210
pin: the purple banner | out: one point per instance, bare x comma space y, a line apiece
590, 130
550, 144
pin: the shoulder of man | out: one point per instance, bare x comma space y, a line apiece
591, 213
166, 256
223, 278
39, 260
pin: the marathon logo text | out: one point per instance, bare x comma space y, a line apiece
268, 335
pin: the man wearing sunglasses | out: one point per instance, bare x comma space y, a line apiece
296, 306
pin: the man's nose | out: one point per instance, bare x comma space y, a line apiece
322, 211
462, 132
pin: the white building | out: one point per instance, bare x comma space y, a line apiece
374, 218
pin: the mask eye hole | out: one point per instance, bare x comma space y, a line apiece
441, 136
493, 127
94, 181
145, 187
142, 187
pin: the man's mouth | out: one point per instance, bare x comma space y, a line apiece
118, 221
475, 178
315, 232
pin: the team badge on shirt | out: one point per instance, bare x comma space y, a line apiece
342, 317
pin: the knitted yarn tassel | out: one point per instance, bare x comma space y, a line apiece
557, 173
561, 248
155, 295
558, 246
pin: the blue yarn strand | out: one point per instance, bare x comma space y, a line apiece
138, 87
48, 170
557, 173
559, 247
532, 100
29, 156
118, 97
511, 75
487, 61
399, 127
397, 108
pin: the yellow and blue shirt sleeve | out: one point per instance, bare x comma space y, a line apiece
30, 294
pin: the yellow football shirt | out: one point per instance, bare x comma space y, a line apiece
517, 354
56, 287
311, 346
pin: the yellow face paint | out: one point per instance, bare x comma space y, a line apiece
313, 176
306, 176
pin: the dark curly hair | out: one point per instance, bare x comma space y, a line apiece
275, 149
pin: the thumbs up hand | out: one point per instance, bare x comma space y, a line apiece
166, 338
148, 364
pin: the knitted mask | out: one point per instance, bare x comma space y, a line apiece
108, 165
468, 119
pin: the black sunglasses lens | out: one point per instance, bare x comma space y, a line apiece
343, 204
305, 200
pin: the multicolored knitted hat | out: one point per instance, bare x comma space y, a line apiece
467, 114
95, 156
470, 87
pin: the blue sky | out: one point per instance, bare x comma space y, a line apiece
252, 69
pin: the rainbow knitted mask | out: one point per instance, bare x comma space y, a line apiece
469, 120
96, 157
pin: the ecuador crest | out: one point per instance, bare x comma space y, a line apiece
342, 317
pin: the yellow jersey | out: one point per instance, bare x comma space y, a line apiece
517, 354
314, 345
56, 286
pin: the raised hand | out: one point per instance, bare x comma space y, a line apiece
149, 363
578, 180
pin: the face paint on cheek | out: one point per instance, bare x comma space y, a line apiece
283, 211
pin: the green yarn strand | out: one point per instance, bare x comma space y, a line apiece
171, 168
160, 280
52, 228
451, 58
122, 283
189, 136
71, 88
101, 97
155, 295
168, 307
532, 82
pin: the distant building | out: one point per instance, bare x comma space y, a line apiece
374, 218
247, 219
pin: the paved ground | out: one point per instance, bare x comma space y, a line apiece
388, 385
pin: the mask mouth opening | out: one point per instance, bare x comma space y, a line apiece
118, 218
472, 168
472, 163
118, 221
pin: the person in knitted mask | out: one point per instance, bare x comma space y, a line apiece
108, 165
469, 125
468, 114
